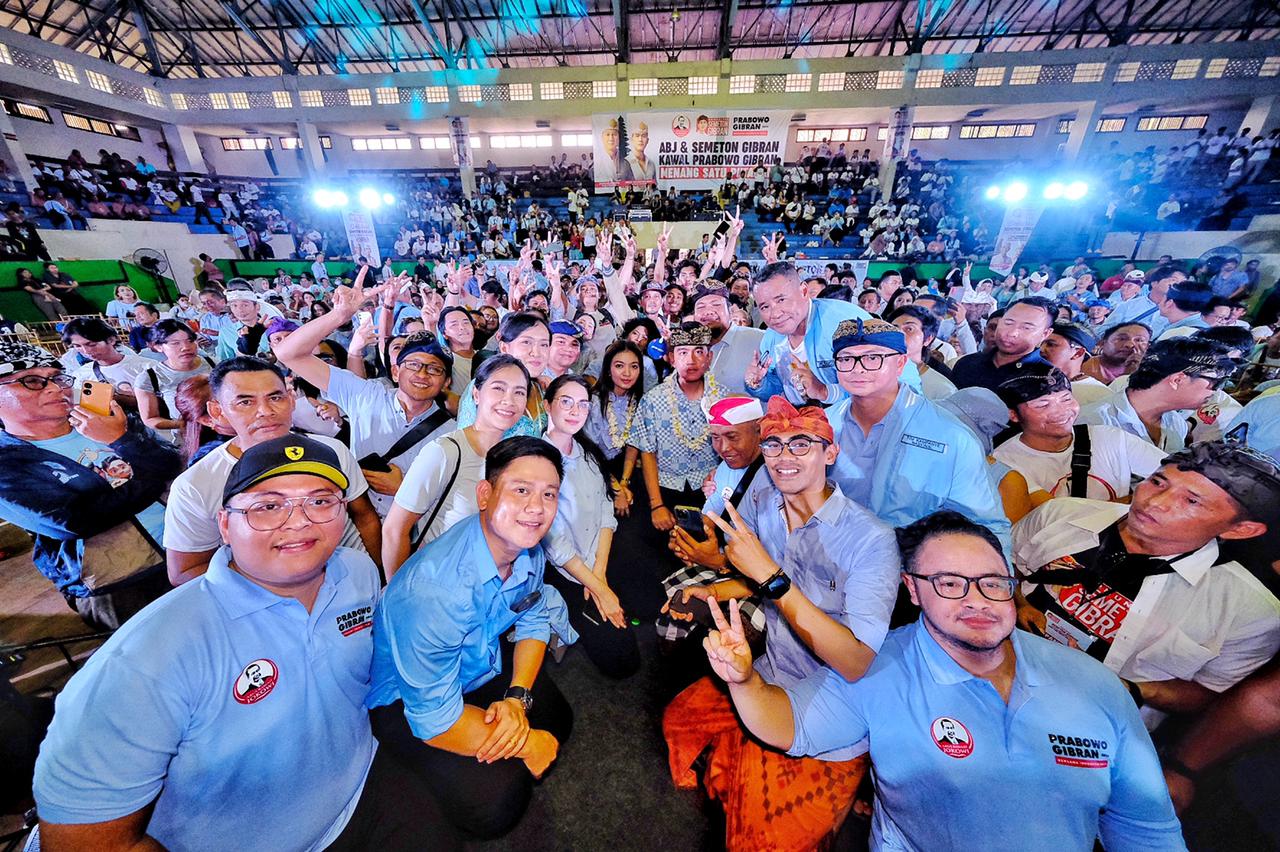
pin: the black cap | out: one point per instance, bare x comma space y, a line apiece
1036, 379
281, 457
1077, 334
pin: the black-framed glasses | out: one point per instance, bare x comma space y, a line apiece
420, 367
993, 587
871, 361
798, 446
1215, 382
268, 515
39, 383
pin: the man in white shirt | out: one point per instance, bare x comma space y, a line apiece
93, 339
1141, 587
250, 396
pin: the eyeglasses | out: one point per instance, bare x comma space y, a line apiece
566, 405
268, 515
39, 383
993, 587
419, 367
772, 447
870, 362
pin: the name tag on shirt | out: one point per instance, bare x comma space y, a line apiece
1061, 631
924, 444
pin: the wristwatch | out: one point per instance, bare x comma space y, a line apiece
774, 587
519, 693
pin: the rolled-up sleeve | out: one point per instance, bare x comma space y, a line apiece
826, 714
870, 595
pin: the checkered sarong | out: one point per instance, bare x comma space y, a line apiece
695, 575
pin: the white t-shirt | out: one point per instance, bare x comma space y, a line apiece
425, 481
191, 516
118, 374
1117, 457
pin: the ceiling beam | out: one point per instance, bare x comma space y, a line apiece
724, 43
138, 16
91, 28
622, 25
286, 64
444, 54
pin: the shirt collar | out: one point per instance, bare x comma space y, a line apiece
487, 567
944, 670
240, 596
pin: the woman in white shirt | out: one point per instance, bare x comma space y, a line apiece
157, 385
441, 482
581, 536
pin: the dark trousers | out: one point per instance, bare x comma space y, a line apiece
396, 813
638, 556
616, 653
119, 602
202, 212
483, 800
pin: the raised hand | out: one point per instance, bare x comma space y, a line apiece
743, 547
758, 369
769, 250
726, 646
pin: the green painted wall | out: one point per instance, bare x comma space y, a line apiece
98, 281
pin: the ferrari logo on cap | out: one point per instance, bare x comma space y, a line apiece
294, 453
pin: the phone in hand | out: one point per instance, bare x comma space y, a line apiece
364, 318
689, 519
96, 397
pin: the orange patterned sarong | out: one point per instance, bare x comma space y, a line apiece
771, 801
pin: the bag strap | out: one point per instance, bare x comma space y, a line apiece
97, 372
1141, 317
744, 483
416, 434
448, 486
1081, 460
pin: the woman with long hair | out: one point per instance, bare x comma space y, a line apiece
121, 307
642, 331
525, 336
581, 537
200, 433
441, 482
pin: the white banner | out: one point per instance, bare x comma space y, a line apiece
460, 140
688, 150
361, 236
1019, 223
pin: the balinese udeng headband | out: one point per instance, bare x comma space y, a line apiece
733, 410
16, 356
782, 416
872, 332
1251, 478
1033, 382
427, 344
689, 334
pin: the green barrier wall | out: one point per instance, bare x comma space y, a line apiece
98, 281
267, 268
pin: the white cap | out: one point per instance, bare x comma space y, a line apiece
1039, 277
241, 296
1135, 275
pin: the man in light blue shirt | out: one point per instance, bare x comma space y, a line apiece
827, 570
1183, 309
960, 711
438, 701
1146, 309
901, 455
234, 704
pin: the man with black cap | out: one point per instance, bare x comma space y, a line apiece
732, 346
1175, 376
193, 720
389, 425
1059, 457
566, 347
86, 486
1067, 347
1143, 588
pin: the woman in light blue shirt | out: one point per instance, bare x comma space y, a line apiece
581, 536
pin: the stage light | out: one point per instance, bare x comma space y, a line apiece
388, 199
993, 192
1054, 191
1076, 190
370, 199
322, 198
339, 199
1015, 192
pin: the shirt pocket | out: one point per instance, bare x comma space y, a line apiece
1173, 654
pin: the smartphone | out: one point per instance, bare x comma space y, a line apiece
689, 519
96, 397
363, 317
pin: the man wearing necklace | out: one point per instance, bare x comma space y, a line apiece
1143, 587
671, 430
959, 710
827, 570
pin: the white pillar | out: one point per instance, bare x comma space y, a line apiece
14, 153
184, 149
1261, 116
1081, 131
312, 161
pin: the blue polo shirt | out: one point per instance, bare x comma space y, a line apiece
437, 630
236, 711
1065, 761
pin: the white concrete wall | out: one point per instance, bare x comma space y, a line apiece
112, 239
57, 140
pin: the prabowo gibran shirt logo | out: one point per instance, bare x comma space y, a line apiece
256, 681
952, 737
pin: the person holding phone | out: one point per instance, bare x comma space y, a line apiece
581, 536
827, 570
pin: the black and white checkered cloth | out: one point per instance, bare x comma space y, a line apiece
696, 575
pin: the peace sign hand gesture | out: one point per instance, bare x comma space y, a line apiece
348, 300
769, 250
743, 548
758, 369
727, 648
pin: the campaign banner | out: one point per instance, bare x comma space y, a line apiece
1019, 223
690, 149
361, 236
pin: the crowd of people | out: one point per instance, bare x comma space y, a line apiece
975, 540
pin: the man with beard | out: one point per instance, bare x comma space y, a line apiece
1034, 722
732, 346
1119, 353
